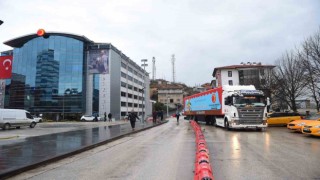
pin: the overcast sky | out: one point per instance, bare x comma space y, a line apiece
203, 34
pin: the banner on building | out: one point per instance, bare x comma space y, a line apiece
5, 67
98, 61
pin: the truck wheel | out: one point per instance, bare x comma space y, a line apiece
32, 125
213, 122
6, 126
226, 125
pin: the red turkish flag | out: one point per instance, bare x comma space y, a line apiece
5, 67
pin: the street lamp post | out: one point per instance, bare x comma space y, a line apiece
167, 106
144, 84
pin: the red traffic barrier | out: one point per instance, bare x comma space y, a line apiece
203, 169
202, 154
205, 175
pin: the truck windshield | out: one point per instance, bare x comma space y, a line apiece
249, 100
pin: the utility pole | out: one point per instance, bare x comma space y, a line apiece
144, 85
153, 68
167, 105
173, 69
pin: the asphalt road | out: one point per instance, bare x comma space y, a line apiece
274, 154
168, 152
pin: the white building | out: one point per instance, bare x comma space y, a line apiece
243, 74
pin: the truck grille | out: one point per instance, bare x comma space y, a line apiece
250, 115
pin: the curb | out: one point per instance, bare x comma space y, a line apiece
9, 137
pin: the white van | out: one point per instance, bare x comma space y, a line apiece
15, 118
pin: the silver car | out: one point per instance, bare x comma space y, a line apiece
89, 118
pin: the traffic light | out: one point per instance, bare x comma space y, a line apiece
42, 32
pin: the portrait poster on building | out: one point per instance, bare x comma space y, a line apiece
98, 61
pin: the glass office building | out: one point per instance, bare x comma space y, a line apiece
60, 76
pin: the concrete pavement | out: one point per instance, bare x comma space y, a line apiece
32, 151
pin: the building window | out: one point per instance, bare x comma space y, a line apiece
129, 104
123, 94
123, 84
135, 97
123, 113
230, 82
135, 105
123, 65
130, 69
123, 75
229, 73
129, 95
130, 86
123, 104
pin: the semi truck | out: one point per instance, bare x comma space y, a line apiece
231, 107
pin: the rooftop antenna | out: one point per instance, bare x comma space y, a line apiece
173, 69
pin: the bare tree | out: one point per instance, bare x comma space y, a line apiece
311, 48
289, 77
310, 75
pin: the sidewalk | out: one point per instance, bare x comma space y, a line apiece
38, 150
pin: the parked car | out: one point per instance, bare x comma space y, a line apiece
297, 124
312, 128
89, 118
282, 118
37, 119
16, 118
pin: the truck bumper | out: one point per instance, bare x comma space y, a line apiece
244, 126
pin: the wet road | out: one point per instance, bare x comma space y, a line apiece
274, 154
168, 152
163, 152
29, 147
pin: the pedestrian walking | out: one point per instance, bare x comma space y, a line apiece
161, 115
96, 117
132, 118
105, 116
154, 116
110, 117
177, 115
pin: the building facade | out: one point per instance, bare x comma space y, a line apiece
62, 75
171, 95
244, 74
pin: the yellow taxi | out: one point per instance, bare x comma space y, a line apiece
282, 118
312, 128
297, 124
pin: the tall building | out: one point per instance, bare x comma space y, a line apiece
66, 75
